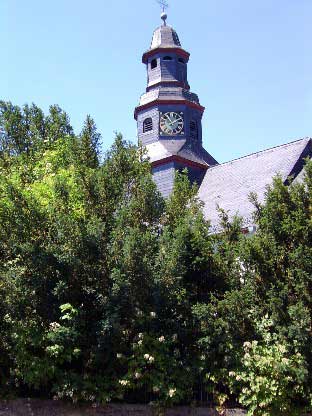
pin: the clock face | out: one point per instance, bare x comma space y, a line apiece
171, 123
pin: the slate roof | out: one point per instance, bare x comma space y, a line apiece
165, 37
162, 149
229, 184
300, 177
168, 93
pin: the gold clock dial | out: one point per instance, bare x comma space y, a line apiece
171, 123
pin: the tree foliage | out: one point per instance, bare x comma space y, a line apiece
109, 292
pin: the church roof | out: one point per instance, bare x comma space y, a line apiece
228, 185
168, 93
165, 37
163, 149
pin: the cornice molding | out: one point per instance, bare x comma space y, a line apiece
168, 102
179, 51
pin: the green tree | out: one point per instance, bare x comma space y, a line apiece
90, 141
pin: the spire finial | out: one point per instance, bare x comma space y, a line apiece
164, 4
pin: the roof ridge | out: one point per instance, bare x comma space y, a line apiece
261, 151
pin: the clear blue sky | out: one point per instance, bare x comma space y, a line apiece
251, 64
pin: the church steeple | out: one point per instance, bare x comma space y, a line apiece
169, 115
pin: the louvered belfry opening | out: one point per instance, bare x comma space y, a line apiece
147, 125
193, 129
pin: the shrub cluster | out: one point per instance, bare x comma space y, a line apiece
110, 293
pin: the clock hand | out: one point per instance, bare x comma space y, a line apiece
173, 122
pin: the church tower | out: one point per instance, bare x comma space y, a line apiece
169, 115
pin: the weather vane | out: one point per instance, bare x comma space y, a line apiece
164, 4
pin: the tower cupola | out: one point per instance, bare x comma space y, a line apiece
165, 37
166, 61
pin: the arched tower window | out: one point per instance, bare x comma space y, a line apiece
153, 63
167, 58
193, 129
181, 60
147, 125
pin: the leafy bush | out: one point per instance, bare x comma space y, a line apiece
273, 376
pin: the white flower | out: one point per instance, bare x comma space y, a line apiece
124, 382
174, 337
153, 314
119, 355
137, 375
54, 326
231, 373
151, 359
171, 392
161, 339
156, 389
247, 345
241, 267
140, 342
146, 356
281, 348
202, 357
140, 335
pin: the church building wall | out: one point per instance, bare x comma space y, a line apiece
163, 176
